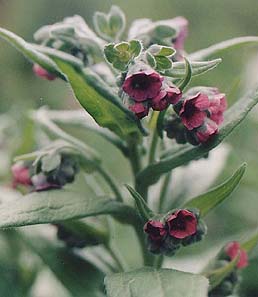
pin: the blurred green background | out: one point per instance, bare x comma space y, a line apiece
210, 22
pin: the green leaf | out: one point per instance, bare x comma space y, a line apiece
60, 205
101, 103
31, 53
219, 48
166, 51
151, 60
54, 53
142, 206
218, 275
207, 201
153, 283
233, 117
80, 277
250, 244
163, 63
179, 68
110, 26
188, 75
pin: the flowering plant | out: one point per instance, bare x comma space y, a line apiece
137, 97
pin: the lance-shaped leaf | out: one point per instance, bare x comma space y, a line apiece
142, 206
152, 283
233, 117
250, 244
100, 102
188, 75
207, 201
80, 277
219, 48
30, 52
60, 205
179, 68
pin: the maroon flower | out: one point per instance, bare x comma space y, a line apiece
218, 105
233, 249
21, 174
206, 131
143, 85
141, 110
155, 229
194, 111
171, 95
43, 73
182, 223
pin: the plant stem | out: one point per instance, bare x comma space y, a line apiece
109, 180
154, 142
158, 261
163, 192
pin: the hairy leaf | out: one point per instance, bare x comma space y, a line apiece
152, 283
179, 68
220, 47
207, 201
30, 52
233, 117
100, 102
59, 205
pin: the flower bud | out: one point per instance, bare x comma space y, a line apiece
21, 174
41, 183
168, 95
233, 250
141, 110
43, 73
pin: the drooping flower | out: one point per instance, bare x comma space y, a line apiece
182, 223
169, 95
193, 110
139, 109
43, 73
143, 85
233, 250
21, 174
155, 229
206, 131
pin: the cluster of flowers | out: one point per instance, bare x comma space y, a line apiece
230, 284
148, 89
198, 113
181, 227
24, 173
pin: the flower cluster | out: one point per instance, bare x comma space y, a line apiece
229, 285
38, 179
148, 89
180, 227
198, 116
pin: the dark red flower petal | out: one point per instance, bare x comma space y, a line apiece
143, 85
182, 223
155, 229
